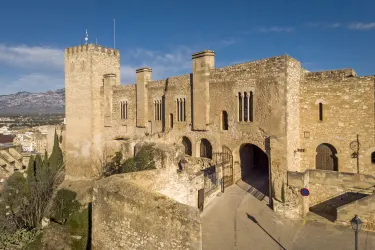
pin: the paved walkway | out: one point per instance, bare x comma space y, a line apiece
237, 220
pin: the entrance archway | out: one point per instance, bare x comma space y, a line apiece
254, 167
326, 158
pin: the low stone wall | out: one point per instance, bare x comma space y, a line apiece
128, 216
365, 208
182, 187
324, 185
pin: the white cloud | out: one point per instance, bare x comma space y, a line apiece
273, 29
40, 68
31, 57
324, 25
163, 64
361, 26
34, 82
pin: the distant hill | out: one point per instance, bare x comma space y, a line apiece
33, 103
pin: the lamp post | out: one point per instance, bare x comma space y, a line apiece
356, 224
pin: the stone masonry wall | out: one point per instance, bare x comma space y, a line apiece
348, 110
127, 216
84, 69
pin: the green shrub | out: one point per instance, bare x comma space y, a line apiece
17, 239
78, 225
65, 204
143, 160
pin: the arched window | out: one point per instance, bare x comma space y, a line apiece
158, 110
326, 158
245, 107
124, 110
206, 149
251, 106
373, 157
239, 107
224, 121
187, 144
181, 109
320, 111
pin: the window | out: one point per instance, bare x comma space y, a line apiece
246, 106
251, 106
373, 157
158, 108
239, 107
187, 144
206, 149
320, 111
124, 110
224, 120
181, 109
171, 120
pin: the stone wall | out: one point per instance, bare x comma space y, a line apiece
324, 185
364, 208
84, 69
348, 111
127, 216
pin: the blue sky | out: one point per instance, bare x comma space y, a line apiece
163, 34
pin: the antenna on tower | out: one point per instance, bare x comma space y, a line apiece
114, 33
87, 37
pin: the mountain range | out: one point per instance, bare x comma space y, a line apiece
26, 103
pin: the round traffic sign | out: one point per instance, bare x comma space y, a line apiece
305, 192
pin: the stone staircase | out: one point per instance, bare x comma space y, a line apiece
253, 191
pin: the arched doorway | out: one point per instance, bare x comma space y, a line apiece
206, 149
254, 167
187, 144
326, 158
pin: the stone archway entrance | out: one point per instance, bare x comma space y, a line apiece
254, 167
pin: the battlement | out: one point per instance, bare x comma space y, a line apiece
91, 48
143, 70
203, 53
339, 73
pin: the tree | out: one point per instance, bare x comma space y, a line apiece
31, 171
56, 159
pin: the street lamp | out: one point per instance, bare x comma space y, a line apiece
356, 224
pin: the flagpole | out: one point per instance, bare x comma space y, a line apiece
114, 33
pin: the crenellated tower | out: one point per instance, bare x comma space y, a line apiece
85, 69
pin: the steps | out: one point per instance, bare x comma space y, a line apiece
253, 191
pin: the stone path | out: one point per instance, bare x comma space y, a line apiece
237, 220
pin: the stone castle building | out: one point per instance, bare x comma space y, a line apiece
275, 120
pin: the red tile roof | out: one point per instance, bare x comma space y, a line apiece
6, 138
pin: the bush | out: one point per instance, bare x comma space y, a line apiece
17, 239
65, 204
143, 160
78, 225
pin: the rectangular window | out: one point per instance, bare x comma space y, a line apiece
320, 111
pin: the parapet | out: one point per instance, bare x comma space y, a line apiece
340, 73
143, 70
91, 47
203, 53
109, 75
